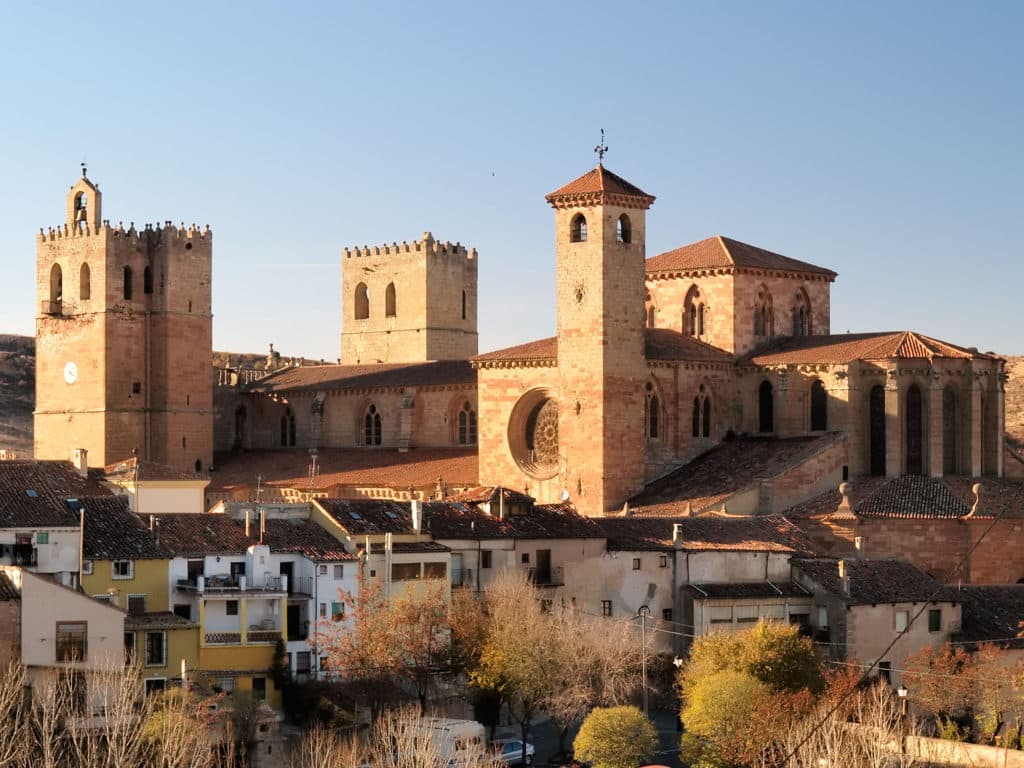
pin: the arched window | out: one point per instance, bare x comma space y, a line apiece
693, 321
696, 417
84, 286
81, 209
56, 285
819, 407
801, 314
706, 418
950, 431
147, 280
700, 319
467, 425
876, 430
652, 413
240, 427
128, 283
578, 229
650, 317
764, 319
371, 426
288, 428
390, 309
915, 431
623, 229
362, 302
765, 408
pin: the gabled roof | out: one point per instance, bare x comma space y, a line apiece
659, 344
992, 614
135, 468
491, 494
720, 252
599, 186
336, 378
461, 520
876, 581
766, 533
912, 496
361, 517
183, 535
34, 493
114, 532
302, 537
842, 349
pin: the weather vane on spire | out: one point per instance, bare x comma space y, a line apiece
601, 149
83, 167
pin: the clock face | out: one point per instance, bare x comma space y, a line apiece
70, 372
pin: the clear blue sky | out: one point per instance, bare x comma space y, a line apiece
882, 140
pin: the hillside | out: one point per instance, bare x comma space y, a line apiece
18, 388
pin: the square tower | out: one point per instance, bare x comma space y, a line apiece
408, 303
123, 339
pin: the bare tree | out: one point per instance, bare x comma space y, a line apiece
14, 733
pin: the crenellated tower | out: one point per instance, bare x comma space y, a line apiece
123, 339
408, 302
600, 254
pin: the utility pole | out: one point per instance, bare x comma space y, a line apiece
643, 613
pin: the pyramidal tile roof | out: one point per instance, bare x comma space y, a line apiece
841, 349
599, 185
720, 252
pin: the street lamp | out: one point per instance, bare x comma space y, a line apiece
902, 693
643, 613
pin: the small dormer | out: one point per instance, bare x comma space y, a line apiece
84, 204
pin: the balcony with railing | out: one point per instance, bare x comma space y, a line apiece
24, 555
300, 586
546, 577
270, 586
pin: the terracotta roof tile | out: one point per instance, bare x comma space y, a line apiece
114, 532
1000, 497
828, 503
767, 533
147, 471
461, 520
744, 590
597, 185
7, 589
184, 535
368, 467
712, 477
723, 252
361, 517
488, 494
842, 349
34, 493
876, 581
303, 537
418, 546
912, 496
542, 350
659, 344
336, 378
992, 614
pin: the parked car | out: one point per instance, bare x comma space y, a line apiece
511, 751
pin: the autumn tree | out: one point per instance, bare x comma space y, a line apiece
940, 682
615, 737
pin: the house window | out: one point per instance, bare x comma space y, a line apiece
435, 570
485, 558
303, 662
606, 608
323, 610
636, 563
156, 649
467, 425
259, 688
155, 685
746, 614
663, 561
43, 537
231, 607
87, 567
885, 671
339, 571
525, 558
122, 570
136, 604
184, 610
902, 619
666, 614
371, 426
337, 611
226, 684
578, 229
72, 641
721, 614
405, 571
935, 620
822, 617
322, 570
129, 647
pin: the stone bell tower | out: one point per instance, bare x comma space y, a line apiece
600, 256
123, 339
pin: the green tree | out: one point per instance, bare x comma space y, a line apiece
615, 737
718, 712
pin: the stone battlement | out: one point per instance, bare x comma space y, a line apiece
180, 232
426, 244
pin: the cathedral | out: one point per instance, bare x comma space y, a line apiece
654, 362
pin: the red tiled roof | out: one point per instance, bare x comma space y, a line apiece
992, 614
828, 503
598, 184
147, 471
842, 349
732, 590
183, 534
723, 252
369, 516
35, 493
488, 494
764, 533
376, 376
659, 344
912, 496
368, 467
1000, 496
714, 476
303, 537
460, 520
876, 581
114, 532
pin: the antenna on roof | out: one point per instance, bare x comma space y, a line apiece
259, 487
601, 149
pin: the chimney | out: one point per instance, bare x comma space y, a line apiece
416, 507
501, 503
263, 523
156, 532
677, 535
152, 522
247, 522
858, 544
844, 579
79, 457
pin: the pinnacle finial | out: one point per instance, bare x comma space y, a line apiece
601, 149
83, 169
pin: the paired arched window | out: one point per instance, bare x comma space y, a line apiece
764, 320
127, 283
467, 425
623, 229
288, 428
84, 283
390, 302
701, 426
652, 413
371, 426
56, 284
819, 407
693, 312
578, 229
765, 408
801, 314
650, 316
361, 299
147, 280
